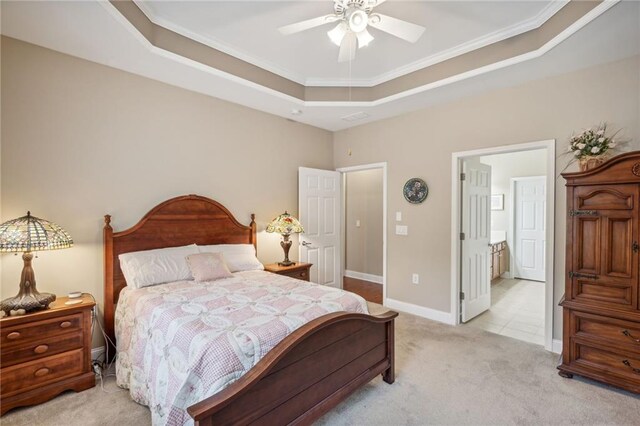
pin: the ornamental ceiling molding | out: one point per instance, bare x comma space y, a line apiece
435, 71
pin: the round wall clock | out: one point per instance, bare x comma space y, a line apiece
415, 190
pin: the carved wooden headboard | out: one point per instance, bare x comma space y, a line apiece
180, 221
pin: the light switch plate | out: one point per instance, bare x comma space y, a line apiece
402, 230
357, 223
398, 216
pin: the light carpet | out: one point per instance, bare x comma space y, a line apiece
444, 375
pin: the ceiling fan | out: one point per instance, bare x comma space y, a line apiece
353, 18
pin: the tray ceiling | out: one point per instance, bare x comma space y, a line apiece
99, 31
249, 30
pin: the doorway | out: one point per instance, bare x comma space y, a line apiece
364, 219
503, 240
363, 205
323, 200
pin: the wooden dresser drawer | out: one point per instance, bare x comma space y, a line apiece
12, 336
10, 355
35, 373
608, 361
606, 330
301, 275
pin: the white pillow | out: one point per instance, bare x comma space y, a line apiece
239, 257
150, 267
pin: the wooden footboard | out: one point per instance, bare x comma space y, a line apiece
308, 373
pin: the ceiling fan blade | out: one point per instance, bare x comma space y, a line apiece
308, 24
396, 27
348, 48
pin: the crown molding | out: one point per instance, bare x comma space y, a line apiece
589, 16
568, 32
513, 30
219, 45
477, 43
119, 17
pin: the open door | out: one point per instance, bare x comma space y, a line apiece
319, 198
529, 228
476, 231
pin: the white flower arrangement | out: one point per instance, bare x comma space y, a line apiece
592, 142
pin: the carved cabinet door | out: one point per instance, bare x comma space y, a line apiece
605, 253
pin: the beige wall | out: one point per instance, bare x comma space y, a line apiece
80, 140
364, 204
507, 166
421, 143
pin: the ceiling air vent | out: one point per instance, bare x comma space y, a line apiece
356, 116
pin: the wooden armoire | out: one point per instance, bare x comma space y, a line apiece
601, 319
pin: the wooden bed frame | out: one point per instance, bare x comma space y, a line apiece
306, 374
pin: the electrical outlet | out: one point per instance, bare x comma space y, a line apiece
398, 216
415, 279
357, 223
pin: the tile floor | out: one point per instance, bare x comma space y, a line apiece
517, 310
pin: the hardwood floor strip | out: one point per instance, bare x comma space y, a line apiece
371, 292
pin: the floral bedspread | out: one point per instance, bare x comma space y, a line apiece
181, 342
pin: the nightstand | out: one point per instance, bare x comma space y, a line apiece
45, 353
299, 270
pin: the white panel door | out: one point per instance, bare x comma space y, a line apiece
319, 198
476, 226
529, 227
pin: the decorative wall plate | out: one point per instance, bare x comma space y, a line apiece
415, 190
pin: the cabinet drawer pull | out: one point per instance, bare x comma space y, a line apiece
41, 372
629, 335
40, 349
581, 275
13, 336
583, 213
628, 364
65, 324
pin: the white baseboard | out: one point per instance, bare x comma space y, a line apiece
97, 352
556, 346
421, 311
362, 276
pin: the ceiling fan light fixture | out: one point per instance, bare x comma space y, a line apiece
364, 38
358, 20
337, 34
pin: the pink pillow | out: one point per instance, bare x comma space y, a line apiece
208, 266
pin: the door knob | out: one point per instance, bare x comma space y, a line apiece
306, 244
635, 247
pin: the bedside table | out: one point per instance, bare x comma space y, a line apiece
299, 270
45, 353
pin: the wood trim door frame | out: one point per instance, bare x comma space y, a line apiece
343, 171
456, 190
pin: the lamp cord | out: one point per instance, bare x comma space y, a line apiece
104, 367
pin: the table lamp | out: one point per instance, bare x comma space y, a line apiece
285, 224
26, 234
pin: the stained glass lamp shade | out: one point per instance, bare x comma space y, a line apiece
285, 224
26, 234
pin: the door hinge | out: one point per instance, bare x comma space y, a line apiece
583, 213
463, 176
462, 235
461, 296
